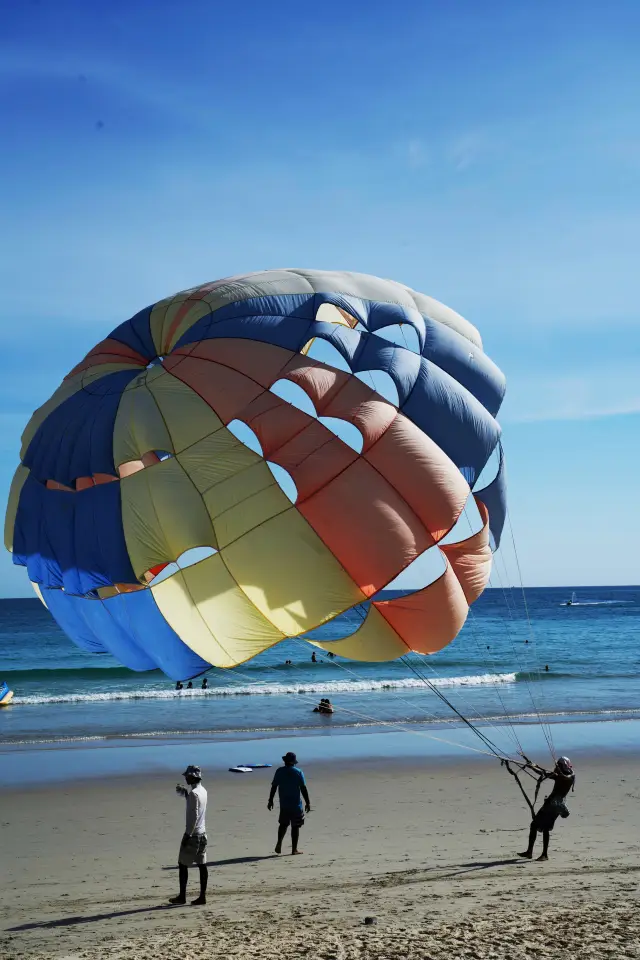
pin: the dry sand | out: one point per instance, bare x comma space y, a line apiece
428, 850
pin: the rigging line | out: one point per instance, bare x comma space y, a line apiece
386, 723
510, 724
523, 668
473, 709
391, 691
526, 608
488, 721
507, 588
399, 697
354, 674
544, 726
486, 740
494, 752
472, 622
477, 713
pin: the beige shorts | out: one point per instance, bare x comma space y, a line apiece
193, 851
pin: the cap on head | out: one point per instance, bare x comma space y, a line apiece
193, 771
565, 766
290, 759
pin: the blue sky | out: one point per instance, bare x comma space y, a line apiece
484, 153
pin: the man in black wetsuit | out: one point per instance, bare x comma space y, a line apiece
553, 807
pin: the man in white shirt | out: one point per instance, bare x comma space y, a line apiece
193, 849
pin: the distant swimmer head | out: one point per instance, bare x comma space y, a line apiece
565, 766
192, 773
290, 759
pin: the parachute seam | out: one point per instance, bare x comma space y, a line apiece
311, 419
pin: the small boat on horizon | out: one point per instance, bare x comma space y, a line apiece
574, 602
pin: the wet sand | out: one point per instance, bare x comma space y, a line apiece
426, 847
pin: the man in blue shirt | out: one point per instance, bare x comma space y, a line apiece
291, 786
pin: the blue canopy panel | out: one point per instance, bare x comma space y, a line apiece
276, 320
466, 363
136, 333
402, 365
76, 439
453, 418
139, 616
263, 318
72, 540
128, 626
494, 497
70, 620
380, 315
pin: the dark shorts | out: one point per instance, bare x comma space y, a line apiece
293, 818
548, 813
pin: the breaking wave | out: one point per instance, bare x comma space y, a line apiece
270, 689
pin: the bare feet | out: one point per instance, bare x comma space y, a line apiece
542, 856
526, 855
199, 902
296, 853
178, 899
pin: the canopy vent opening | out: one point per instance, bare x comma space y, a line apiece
383, 384
424, 570
294, 394
245, 435
284, 480
324, 352
402, 334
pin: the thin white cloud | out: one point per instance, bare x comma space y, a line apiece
613, 391
467, 149
417, 154
191, 103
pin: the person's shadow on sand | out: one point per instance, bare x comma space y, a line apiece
70, 921
232, 860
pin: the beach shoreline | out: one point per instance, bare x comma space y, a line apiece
28, 766
426, 846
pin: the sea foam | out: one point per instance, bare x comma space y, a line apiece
335, 687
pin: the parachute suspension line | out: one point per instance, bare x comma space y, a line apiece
407, 663
530, 625
505, 586
492, 664
510, 728
544, 726
364, 716
523, 667
495, 750
353, 673
438, 676
472, 709
394, 693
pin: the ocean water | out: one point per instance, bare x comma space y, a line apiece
493, 673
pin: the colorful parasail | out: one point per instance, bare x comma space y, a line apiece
140, 461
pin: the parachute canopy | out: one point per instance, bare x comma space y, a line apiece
202, 486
